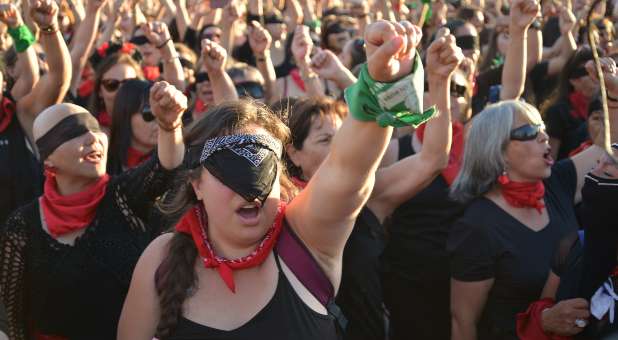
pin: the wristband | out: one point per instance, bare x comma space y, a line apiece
396, 104
314, 24
51, 29
164, 43
22, 37
167, 128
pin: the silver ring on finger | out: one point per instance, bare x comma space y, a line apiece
581, 323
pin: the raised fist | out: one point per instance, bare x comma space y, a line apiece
443, 56
523, 13
302, 45
10, 16
259, 38
213, 55
391, 49
167, 104
610, 74
44, 13
156, 32
327, 65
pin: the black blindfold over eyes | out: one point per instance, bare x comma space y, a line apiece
578, 73
467, 42
68, 128
139, 40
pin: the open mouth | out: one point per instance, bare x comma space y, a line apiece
94, 157
548, 159
249, 213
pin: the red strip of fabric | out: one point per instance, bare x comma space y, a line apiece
7, 111
529, 326
456, 154
523, 195
583, 146
299, 183
66, 214
136, 157
298, 80
151, 73
105, 119
195, 223
579, 105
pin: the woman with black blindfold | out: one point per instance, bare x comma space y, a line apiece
66, 259
519, 208
20, 175
227, 270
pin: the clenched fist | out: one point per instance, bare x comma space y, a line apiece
167, 104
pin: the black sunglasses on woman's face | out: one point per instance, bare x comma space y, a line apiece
526, 132
112, 85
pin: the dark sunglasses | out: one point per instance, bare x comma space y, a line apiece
250, 89
112, 85
457, 90
201, 77
139, 40
526, 132
146, 111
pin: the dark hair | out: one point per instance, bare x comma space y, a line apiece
467, 13
491, 53
301, 117
96, 103
357, 52
175, 276
564, 89
133, 93
10, 60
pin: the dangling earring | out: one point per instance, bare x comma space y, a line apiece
504, 178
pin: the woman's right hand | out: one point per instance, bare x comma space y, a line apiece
44, 13
391, 49
10, 16
214, 56
560, 319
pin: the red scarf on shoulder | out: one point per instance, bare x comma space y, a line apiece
136, 157
523, 194
195, 223
456, 154
7, 111
66, 214
579, 105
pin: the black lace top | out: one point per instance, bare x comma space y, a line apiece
78, 291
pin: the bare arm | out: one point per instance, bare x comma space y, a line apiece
323, 214
467, 303
183, 20
301, 49
294, 14
260, 41
159, 36
168, 104
214, 57
110, 23
230, 16
522, 14
84, 40
328, 66
567, 42
443, 57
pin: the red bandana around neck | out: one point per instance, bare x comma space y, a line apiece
66, 214
299, 183
195, 223
298, 80
105, 119
523, 194
136, 157
151, 73
579, 105
455, 156
7, 111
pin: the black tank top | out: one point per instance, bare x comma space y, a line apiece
285, 317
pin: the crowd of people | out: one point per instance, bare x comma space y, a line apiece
308, 169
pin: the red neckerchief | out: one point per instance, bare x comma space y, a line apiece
298, 80
200, 106
86, 88
151, 73
7, 111
66, 214
136, 157
579, 105
104, 118
299, 183
583, 146
195, 223
523, 194
456, 154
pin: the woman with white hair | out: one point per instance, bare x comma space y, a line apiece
519, 206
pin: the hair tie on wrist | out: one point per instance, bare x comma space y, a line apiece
51, 29
164, 43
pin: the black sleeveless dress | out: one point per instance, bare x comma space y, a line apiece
285, 317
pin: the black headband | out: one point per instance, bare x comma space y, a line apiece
68, 128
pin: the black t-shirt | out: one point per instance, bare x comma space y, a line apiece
551, 31
488, 243
419, 228
21, 174
539, 84
571, 131
4, 325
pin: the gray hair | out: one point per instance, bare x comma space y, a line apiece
486, 143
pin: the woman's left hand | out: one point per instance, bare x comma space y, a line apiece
167, 104
157, 33
610, 73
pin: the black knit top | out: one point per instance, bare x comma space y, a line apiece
78, 291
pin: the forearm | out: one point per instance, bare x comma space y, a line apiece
27, 62
172, 69
344, 79
108, 32
534, 48
514, 71
183, 20
84, 38
58, 78
462, 330
295, 14
437, 141
227, 38
267, 69
313, 84
222, 87
170, 148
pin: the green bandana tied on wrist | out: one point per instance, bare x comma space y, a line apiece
396, 104
22, 37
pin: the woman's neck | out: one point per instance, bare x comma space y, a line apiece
69, 185
229, 249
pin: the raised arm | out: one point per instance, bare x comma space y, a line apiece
523, 13
323, 214
214, 58
294, 13
183, 20
328, 66
566, 41
53, 86
84, 40
168, 104
443, 57
159, 36
260, 41
112, 21
27, 67
302, 45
